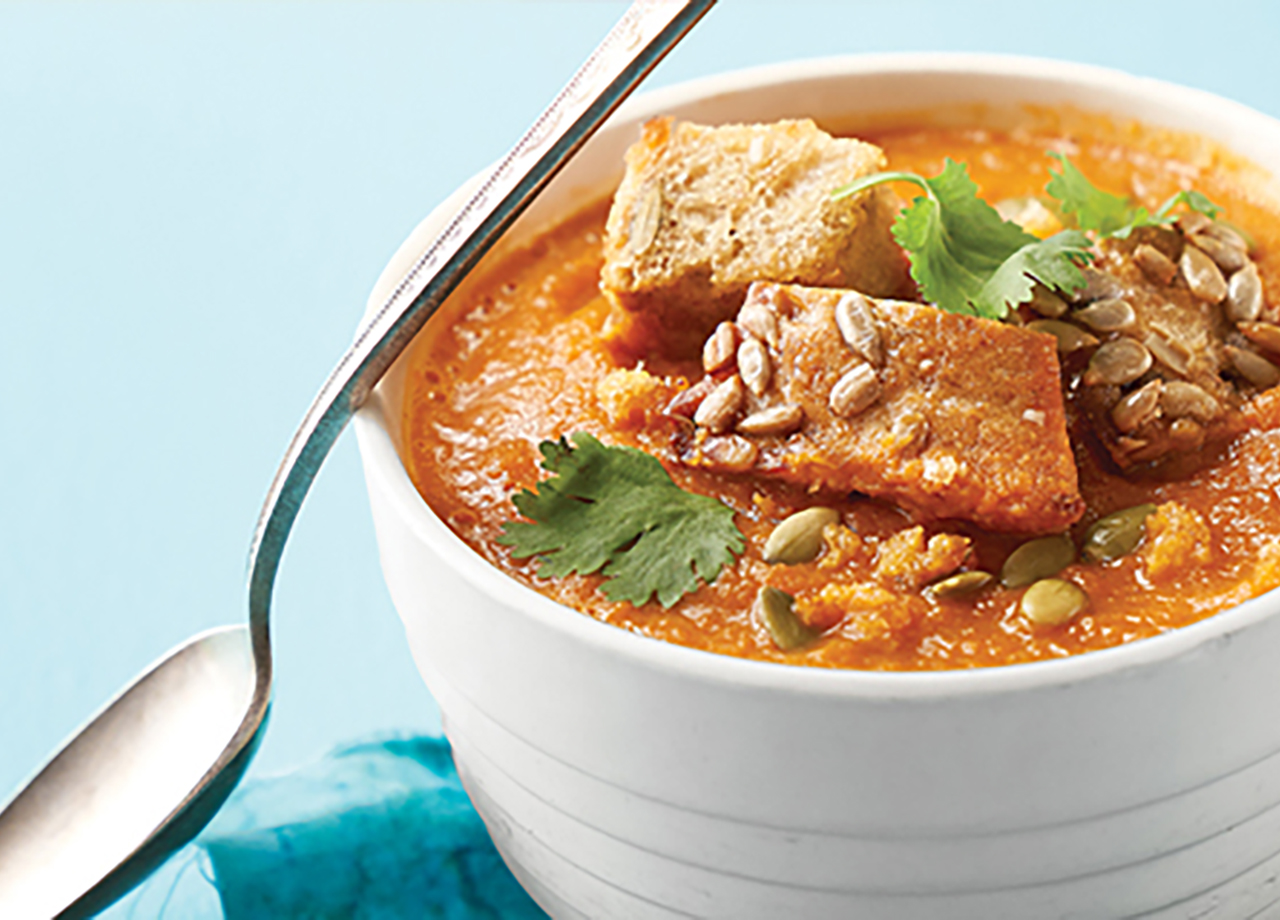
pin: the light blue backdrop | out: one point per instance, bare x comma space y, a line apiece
194, 202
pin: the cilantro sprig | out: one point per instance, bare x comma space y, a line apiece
617, 509
965, 256
1090, 208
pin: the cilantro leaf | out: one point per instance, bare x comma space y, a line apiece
1092, 208
616, 508
1111, 215
965, 257
1054, 262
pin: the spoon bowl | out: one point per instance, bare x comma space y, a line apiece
84, 829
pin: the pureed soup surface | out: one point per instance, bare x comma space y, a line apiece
518, 359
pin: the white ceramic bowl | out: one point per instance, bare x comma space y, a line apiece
622, 777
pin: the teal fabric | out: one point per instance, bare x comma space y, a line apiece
381, 830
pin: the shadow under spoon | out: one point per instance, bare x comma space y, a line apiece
147, 772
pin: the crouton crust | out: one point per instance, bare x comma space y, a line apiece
704, 211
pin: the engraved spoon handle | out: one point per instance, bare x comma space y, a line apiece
641, 38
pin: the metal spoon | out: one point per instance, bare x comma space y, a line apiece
146, 773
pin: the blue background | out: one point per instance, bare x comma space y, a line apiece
194, 202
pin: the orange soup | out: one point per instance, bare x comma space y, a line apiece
518, 357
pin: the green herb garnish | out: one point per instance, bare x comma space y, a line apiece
616, 508
965, 256
1110, 215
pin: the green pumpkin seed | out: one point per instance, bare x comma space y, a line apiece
776, 610
961, 584
1052, 602
1037, 559
1117, 534
799, 538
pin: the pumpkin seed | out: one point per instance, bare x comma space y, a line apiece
961, 584
1117, 362
1253, 367
1047, 303
1116, 535
1107, 315
799, 538
1155, 264
1263, 334
718, 410
1070, 338
855, 391
754, 365
1053, 601
1138, 408
1202, 275
858, 327
1226, 257
783, 419
721, 349
727, 454
777, 610
1244, 295
760, 321
1186, 400
1037, 559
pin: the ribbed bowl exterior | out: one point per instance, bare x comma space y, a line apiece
623, 777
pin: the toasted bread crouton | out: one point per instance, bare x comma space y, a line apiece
702, 212
951, 416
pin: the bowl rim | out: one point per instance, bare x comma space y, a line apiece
383, 465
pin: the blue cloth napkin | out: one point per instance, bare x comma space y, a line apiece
375, 831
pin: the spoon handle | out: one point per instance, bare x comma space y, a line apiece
641, 38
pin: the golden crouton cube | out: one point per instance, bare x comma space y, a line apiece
704, 211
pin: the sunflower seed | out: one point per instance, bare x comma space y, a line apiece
1155, 264
718, 410
645, 221
721, 349
1070, 338
909, 433
1098, 286
1186, 434
1202, 275
1138, 408
1046, 302
1037, 559
1117, 362
961, 584
858, 327
1053, 601
775, 608
1190, 222
1186, 400
1244, 295
1110, 315
727, 454
1263, 334
1253, 367
855, 391
799, 538
1228, 258
783, 419
760, 321
1170, 355
1116, 535
754, 365
1229, 236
